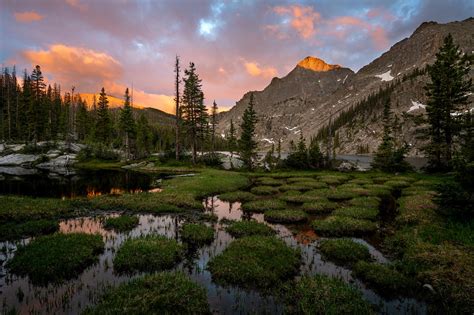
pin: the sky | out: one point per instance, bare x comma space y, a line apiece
237, 45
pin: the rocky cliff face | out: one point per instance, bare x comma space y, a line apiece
305, 99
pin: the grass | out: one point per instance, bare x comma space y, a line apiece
343, 226
341, 195
285, 216
20, 209
358, 213
197, 234
318, 207
333, 180
360, 181
96, 164
384, 279
13, 230
56, 257
369, 202
418, 209
237, 196
122, 223
344, 251
397, 184
148, 254
268, 181
164, 293
261, 206
249, 228
297, 197
295, 186
378, 190
321, 294
255, 261
264, 190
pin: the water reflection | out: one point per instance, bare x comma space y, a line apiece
74, 295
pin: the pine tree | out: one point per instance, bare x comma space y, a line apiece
247, 143
315, 157
447, 96
144, 136
127, 123
231, 142
103, 128
82, 120
203, 129
177, 83
38, 118
213, 125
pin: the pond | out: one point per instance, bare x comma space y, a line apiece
74, 295
80, 183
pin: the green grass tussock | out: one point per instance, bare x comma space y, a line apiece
285, 216
122, 223
197, 234
148, 254
261, 206
297, 197
418, 209
164, 293
237, 196
368, 202
21, 209
13, 230
319, 207
341, 195
56, 257
264, 190
249, 228
255, 261
344, 251
358, 213
343, 226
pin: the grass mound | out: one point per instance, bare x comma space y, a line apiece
56, 257
297, 197
321, 294
21, 209
261, 206
294, 186
377, 190
249, 228
343, 226
285, 216
333, 180
148, 253
121, 223
268, 181
235, 196
368, 202
321, 206
341, 195
255, 261
397, 184
264, 190
162, 292
384, 279
418, 209
197, 234
300, 179
358, 213
343, 251
12, 230
360, 181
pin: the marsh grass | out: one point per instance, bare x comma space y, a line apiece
397, 184
297, 197
13, 230
264, 190
418, 209
164, 293
21, 209
340, 195
122, 223
268, 181
378, 190
384, 279
255, 262
358, 212
249, 228
263, 205
321, 294
148, 254
343, 251
368, 202
319, 207
295, 186
56, 257
237, 196
197, 234
343, 226
285, 216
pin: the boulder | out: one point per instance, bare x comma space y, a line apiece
18, 159
63, 161
17, 171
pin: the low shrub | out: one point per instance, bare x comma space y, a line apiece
285, 216
249, 228
344, 251
343, 226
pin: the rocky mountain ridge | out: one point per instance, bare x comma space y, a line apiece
305, 100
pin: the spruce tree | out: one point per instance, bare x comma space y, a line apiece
177, 70
447, 97
247, 143
214, 124
103, 130
315, 156
82, 120
144, 136
231, 142
127, 123
38, 118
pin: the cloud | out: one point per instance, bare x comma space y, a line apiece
77, 4
302, 19
254, 69
27, 17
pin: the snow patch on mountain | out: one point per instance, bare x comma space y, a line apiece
385, 76
416, 105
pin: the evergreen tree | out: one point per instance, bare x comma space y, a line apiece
82, 120
103, 130
315, 156
298, 155
38, 115
213, 125
447, 96
232, 142
203, 123
247, 143
127, 123
144, 136
177, 70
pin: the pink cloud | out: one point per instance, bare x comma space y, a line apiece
27, 17
303, 19
255, 70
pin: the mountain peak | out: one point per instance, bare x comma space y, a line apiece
316, 64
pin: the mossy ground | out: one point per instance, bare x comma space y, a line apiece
56, 257
121, 223
197, 234
249, 228
344, 251
255, 261
148, 254
164, 293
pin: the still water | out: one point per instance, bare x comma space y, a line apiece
74, 295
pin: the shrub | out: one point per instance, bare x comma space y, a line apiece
249, 228
384, 279
263, 205
121, 223
285, 216
197, 234
148, 253
56, 257
344, 251
358, 213
322, 206
255, 261
162, 292
343, 226
234, 196
321, 294
264, 190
